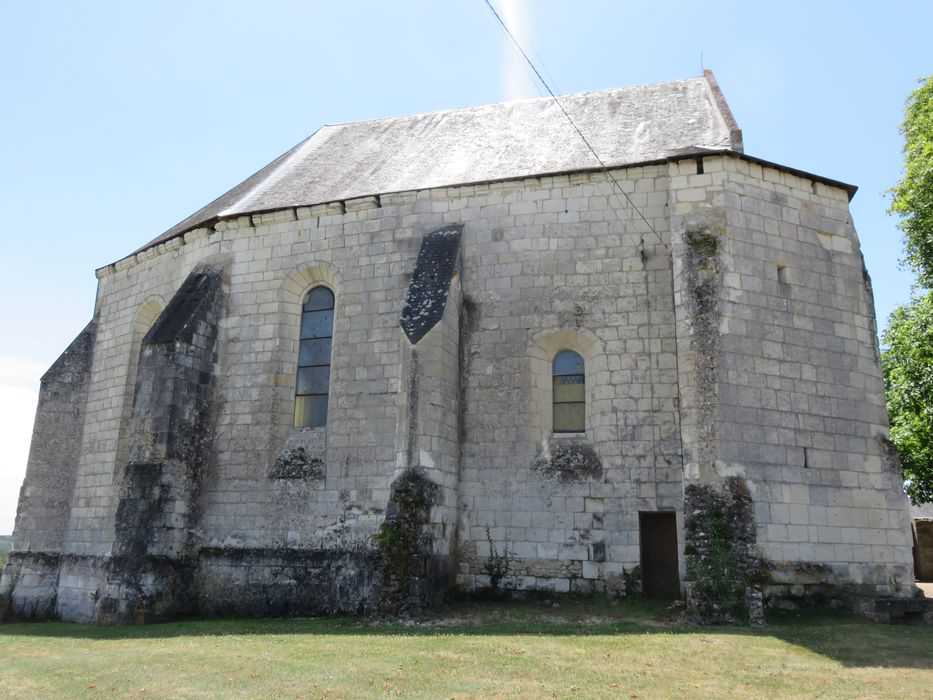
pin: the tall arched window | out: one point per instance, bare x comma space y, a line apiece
312, 385
569, 393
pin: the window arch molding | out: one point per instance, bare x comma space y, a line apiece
543, 349
292, 294
302, 278
143, 319
146, 315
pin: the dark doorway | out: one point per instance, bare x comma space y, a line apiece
659, 575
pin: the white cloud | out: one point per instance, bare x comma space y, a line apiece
19, 392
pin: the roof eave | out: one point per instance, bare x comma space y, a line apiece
686, 154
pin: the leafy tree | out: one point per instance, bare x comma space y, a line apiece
913, 195
907, 362
907, 358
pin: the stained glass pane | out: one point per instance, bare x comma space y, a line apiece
317, 324
314, 352
569, 417
310, 411
570, 379
564, 393
319, 298
313, 380
568, 362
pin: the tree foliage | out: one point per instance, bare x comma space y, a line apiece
907, 358
908, 380
913, 195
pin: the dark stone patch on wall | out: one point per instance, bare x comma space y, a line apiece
438, 259
632, 578
917, 610
567, 460
411, 575
160, 589
891, 458
143, 496
178, 320
724, 572
597, 551
469, 322
794, 585
702, 269
29, 587
296, 463
171, 443
281, 582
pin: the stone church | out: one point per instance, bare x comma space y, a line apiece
601, 352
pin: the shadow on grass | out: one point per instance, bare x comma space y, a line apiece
849, 640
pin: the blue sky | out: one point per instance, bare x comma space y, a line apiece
120, 119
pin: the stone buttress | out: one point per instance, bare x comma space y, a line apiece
29, 587
422, 513
149, 572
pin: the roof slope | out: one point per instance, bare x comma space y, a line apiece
479, 144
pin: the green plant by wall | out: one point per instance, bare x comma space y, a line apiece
716, 576
496, 565
722, 566
403, 543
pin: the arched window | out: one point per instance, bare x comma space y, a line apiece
569, 393
312, 385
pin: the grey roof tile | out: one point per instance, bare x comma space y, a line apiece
491, 142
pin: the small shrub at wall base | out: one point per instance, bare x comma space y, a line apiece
496, 565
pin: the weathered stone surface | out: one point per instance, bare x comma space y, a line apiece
149, 575
724, 572
45, 497
412, 574
734, 339
430, 282
295, 463
281, 581
567, 460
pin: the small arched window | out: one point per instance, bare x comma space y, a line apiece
312, 386
569, 393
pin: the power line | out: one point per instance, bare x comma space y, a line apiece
582, 136
649, 355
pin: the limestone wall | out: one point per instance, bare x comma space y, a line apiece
729, 334
551, 268
45, 497
550, 262
793, 400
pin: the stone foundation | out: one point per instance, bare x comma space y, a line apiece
283, 582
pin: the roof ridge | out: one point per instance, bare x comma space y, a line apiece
502, 140
524, 100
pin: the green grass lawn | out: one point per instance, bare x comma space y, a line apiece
579, 649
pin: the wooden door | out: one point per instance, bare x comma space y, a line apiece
659, 571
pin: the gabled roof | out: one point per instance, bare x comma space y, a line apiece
501, 141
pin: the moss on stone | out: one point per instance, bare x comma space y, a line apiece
404, 543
